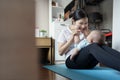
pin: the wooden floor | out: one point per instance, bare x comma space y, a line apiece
49, 75
45, 74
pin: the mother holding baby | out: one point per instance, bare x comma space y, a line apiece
87, 55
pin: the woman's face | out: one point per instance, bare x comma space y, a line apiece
81, 24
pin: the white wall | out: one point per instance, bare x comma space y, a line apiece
116, 25
18, 56
42, 14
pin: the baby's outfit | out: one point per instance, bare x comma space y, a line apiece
83, 43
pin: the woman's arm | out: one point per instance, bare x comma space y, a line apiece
63, 47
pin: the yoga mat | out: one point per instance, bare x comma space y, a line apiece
97, 73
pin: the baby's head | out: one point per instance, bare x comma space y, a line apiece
96, 36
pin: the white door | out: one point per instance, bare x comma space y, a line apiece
57, 28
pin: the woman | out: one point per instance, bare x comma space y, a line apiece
89, 56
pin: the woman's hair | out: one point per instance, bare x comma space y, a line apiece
79, 14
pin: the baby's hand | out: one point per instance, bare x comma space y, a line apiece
74, 53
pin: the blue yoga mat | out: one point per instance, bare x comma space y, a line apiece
97, 73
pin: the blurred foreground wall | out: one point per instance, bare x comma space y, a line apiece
18, 56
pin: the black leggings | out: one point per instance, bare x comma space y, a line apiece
89, 56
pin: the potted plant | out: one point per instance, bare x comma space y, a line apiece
43, 33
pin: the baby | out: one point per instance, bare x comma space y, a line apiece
95, 36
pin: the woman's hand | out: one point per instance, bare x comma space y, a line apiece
77, 37
74, 38
74, 33
86, 31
